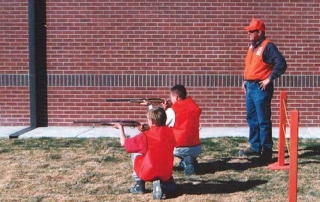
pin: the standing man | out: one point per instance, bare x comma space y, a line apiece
263, 64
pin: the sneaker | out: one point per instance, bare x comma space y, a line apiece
169, 188
187, 165
248, 152
157, 190
138, 188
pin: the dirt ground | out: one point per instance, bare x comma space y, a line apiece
81, 170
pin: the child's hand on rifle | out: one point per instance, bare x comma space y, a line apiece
117, 125
122, 135
167, 104
143, 127
145, 103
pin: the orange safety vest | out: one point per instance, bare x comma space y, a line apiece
158, 160
186, 126
255, 68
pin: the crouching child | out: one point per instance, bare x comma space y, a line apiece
152, 155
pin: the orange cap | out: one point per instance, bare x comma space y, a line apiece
256, 24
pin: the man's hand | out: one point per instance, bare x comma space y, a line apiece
243, 87
263, 84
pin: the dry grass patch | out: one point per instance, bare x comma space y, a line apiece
78, 169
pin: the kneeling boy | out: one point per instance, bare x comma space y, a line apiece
152, 154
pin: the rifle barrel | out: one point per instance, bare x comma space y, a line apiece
85, 121
124, 123
118, 100
130, 123
137, 100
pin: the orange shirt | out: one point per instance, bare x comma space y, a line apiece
255, 67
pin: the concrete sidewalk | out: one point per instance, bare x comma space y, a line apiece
108, 131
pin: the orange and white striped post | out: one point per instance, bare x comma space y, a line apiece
293, 172
280, 165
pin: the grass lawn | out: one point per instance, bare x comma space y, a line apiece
77, 169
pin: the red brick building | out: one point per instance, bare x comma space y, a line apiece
60, 60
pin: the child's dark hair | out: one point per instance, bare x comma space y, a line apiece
158, 116
179, 90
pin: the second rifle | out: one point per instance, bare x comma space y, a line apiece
138, 100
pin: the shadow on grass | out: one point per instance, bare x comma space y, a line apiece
217, 187
224, 164
310, 151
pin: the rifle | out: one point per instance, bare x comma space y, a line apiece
138, 100
129, 123
111, 122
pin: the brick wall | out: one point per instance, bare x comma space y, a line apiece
14, 90
132, 49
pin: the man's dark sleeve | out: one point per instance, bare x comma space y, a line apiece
273, 57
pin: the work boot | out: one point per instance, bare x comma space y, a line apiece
138, 188
157, 190
248, 152
266, 155
187, 165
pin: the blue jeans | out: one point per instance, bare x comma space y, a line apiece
182, 152
258, 105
